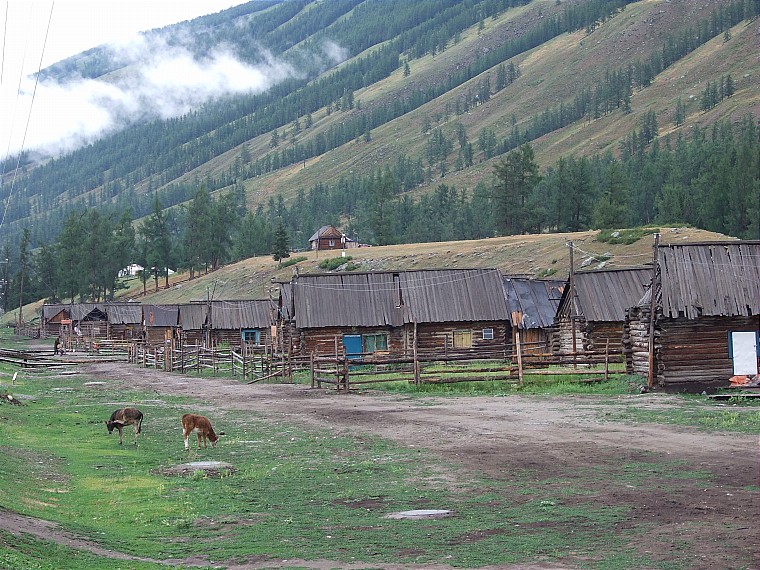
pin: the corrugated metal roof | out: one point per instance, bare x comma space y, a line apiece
536, 300
124, 313
241, 314
606, 295
711, 279
160, 315
395, 298
192, 316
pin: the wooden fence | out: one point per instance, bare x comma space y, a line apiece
366, 369
252, 365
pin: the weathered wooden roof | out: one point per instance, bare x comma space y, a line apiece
241, 314
347, 299
192, 316
160, 315
50, 310
88, 312
395, 298
605, 295
124, 313
535, 300
326, 232
453, 295
285, 306
710, 279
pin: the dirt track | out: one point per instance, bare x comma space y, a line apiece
555, 437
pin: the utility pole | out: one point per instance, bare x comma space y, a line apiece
653, 288
571, 295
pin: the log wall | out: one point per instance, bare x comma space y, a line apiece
696, 351
439, 337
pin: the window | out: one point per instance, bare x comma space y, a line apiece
375, 342
487, 334
252, 336
332, 243
462, 339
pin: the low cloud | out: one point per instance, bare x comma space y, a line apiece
162, 80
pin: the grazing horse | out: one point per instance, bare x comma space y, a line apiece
202, 427
125, 417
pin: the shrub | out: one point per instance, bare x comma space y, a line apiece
625, 237
333, 263
292, 261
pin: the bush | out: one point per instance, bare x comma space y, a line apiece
292, 261
625, 237
333, 263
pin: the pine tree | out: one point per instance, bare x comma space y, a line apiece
280, 243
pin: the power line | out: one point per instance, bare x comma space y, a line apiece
29, 115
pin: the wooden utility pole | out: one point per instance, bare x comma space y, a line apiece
653, 288
571, 296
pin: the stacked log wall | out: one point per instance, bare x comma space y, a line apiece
322, 341
636, 341
435, 338
696, 351
563, 340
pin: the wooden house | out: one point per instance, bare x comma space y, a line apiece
89, 320
444, 312
330, 237
242, 322
706, 316
54, 317
193, 322
593, 309
533, 307
160, 323
124, 320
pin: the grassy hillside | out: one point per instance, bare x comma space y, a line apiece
550, 75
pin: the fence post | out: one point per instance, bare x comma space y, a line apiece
607, 361
416, 359
311, 367
519, 358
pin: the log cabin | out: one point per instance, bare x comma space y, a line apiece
441, 312
594, 312
706, 315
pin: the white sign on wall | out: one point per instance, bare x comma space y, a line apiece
744, 352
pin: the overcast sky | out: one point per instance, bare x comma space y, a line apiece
63, 117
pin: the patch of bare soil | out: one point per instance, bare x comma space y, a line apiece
553, 439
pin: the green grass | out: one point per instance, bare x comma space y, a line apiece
699, 413
295, 494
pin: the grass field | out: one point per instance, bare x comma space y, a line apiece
295, 494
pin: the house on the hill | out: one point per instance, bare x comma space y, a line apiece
533, 307
330, 237
445, 312
706, 316
591, 313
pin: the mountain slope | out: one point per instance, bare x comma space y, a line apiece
452, 50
